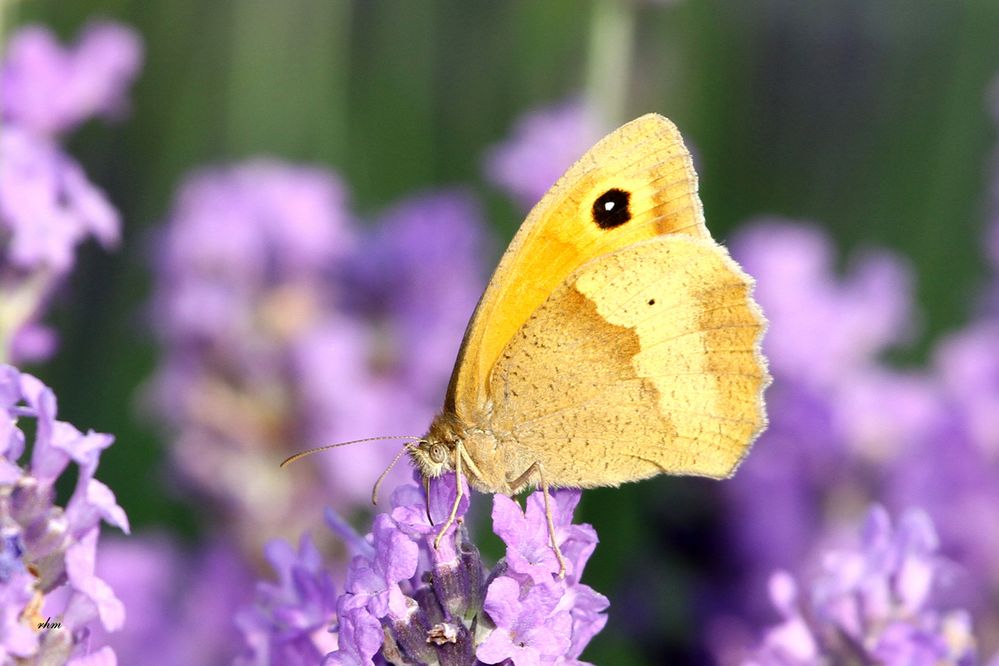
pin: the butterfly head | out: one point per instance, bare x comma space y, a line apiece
436, 453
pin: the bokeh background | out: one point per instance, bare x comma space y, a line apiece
873, 122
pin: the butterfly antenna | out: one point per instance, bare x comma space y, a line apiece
374, 491
309, 452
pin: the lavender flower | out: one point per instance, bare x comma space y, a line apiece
48, 552
412, 603
285, 326
407, 324
963, 480
47, 205
245, 246
288, 623
872, 604
48, 90
822, 327
833, 410
395, 280
180, 602
544, 144
241, 282
847, 429
968, 365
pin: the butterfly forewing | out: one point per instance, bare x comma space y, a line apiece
635, 184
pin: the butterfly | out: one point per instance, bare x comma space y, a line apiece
615, 341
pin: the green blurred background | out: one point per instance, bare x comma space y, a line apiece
869, 118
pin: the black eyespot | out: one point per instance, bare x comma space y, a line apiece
611, 209
652, 301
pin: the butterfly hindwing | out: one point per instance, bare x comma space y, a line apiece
645, 360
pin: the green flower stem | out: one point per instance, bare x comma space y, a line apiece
17, 307
612, 37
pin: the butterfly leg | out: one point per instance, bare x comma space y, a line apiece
551, 525
457, 500
521, 481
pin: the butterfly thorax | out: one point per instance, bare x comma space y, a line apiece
482, 464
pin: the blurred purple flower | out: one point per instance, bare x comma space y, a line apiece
33, 342
288, 622
953, 470
528, 628
544, 144
968, 365
872, 604
846, 429
47, 208
823, 327
397, 335
285, 326
238, 236
241, 280
48, 553
47, 205
395, 280
48, 89
180, 604
832, 409
442, 606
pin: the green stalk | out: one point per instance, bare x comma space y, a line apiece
17, 308
612, 36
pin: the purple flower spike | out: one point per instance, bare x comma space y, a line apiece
411, 515
48, 554
822, 327
360, 636
47, 205
286, 325
528, 546
49, 89
415, 605
529, 629
283, 623
872, 604
395, 560
544, 144
395, 278
839, 418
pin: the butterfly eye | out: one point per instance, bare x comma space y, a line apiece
611, 208
438, 453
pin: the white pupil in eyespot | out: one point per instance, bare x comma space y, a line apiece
609, 205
